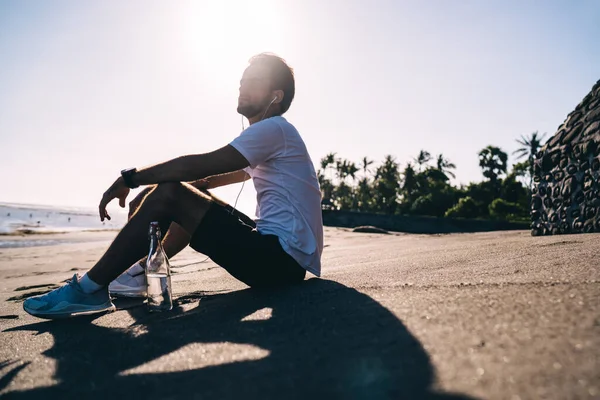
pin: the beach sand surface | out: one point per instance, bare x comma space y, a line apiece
496, 315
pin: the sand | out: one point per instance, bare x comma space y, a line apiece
498, 315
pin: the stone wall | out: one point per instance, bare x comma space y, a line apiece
415, 224
566, 189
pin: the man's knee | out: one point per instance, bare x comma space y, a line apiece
137, 200
166, 192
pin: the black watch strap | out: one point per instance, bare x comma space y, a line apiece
127, 175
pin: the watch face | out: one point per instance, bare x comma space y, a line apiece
127, 175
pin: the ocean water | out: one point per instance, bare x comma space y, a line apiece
15, 218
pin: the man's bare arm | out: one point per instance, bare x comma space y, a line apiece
216, 181
193, 167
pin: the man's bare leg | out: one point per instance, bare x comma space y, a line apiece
176, 238
166, 203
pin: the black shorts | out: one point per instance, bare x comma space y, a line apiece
230, 239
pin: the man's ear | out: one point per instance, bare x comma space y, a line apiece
279, 95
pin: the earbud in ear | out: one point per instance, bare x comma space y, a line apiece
274, 99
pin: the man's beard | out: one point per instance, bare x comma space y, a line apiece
251, 110
248, 110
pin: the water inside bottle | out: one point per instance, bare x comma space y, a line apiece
159, 292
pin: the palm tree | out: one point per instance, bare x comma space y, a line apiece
365, 163
343, 196
328, 162
344, 169
324, 164
444, 166
351, 170
423, 158
531, 145
363, 195
326, 184
410, 184
492, 161
386, 186
340, 169
330, 158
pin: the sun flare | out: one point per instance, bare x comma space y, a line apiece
223, 35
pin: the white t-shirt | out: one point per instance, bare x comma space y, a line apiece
287, 190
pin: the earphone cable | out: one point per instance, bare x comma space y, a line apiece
243, 128
243, 183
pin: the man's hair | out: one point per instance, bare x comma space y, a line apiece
282, 76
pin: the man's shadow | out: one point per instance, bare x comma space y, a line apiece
324, 340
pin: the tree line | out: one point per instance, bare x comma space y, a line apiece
422, 186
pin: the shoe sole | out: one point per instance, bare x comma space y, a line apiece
130, 295
103, 308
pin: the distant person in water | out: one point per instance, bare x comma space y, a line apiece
285, 242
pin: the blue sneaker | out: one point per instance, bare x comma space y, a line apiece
68, 301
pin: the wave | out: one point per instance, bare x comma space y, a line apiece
16, 218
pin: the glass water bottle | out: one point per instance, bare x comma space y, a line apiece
158, 273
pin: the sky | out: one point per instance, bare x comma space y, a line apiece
90, 88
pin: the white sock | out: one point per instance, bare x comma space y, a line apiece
88, 285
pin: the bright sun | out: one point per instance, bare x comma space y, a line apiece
224, 34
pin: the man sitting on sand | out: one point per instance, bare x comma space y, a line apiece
287, 240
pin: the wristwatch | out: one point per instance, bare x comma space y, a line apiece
127, 175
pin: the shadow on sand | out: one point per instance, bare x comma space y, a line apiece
324, 340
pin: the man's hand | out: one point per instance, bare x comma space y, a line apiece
118, 190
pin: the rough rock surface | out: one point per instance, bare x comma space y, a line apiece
566, 189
